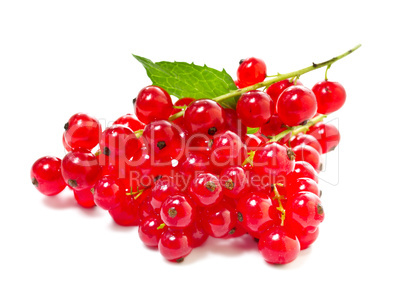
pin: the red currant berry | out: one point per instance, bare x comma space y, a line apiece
327, 135
304, 209
256, 213
306, 238
218, 220
296, 105
274, 160
254, 141
254, 108
127, 213
82, 131
145, 207
308, 154
85, 198
275, 90
199, 143
206, 190
196, 234
302, 170
234, 181
174, 245
130, 121
196, 163
150, 231
178, 211
46, 176
205, 116
278, 246
119, 140
153, 103
227, 150
109, 192
234, 123
163, 141
330, 96
303, 185
273, 127
164, 187
250, 71
80, 169
306, 139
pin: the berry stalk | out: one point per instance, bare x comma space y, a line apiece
298, 129
280, 77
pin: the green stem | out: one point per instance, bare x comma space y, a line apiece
176, 115
179, 107
326, 71
138, 133
278, 197
298, 129
280, 77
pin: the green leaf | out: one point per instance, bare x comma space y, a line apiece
252, 130
182, 79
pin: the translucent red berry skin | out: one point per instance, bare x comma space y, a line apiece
278, 246
296, 104
327, 135
218, 220
306, 139
46, 176
80, 169
206, 190
305, 209
250, 71
256, 213
234, 123
306, 238
254, 141
130, 121
163, 140
273, 127
273, 160
254, 108
227, 150
66, 146
331, 96
303, 185
193, 165
153, 103
178, 211
196, 234
82, 131
109, 192
149, 232
85, 198
308, 154
234, 181
205, 116
275, 90
174, 245
119, 141
163, 188
303, 170
127, 212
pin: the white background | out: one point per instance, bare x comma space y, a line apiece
58, 58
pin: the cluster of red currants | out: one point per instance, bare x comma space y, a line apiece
183, 172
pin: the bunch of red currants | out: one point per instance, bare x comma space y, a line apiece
185, 171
